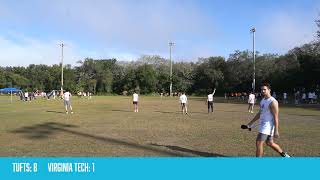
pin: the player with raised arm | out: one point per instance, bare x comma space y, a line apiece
210, 101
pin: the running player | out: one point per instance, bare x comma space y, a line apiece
67, 104
269, 122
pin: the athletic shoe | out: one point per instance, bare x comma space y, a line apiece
72, 112
67, 112
285, 154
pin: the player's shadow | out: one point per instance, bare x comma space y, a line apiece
168, 112
179, 112
118, 110
45, 130
197, 153
229, 111
58, 112
163, 112
304, 115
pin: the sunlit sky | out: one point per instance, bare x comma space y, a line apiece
126, 29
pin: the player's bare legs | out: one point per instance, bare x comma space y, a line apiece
259, 148
274, 146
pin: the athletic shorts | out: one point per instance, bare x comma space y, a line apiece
251, 104
210, 103
264, 137
183, 104
67, 103
135, 102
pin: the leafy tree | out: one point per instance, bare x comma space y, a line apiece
208, 74
146, 79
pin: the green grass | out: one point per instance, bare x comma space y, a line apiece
106, 126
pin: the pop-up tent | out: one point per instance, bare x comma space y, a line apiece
10, 90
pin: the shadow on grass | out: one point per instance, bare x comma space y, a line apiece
304, 115
198, 153
119, 110
179, 112
163, 112
168, 112
58, 112
244, 111
42, 131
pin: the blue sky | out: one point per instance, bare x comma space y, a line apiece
126, 29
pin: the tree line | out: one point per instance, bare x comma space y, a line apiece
298, 68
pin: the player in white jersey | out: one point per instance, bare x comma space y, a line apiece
183, 102
269, 122
251, 101
26, 95
285, 98
135, 98
66, 99
210, 101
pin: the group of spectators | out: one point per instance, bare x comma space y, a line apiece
84, 94
306, 97
30, 96
302, 96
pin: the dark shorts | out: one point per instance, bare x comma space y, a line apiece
67, 103
210, 103
183, 104
264, 137
135, 102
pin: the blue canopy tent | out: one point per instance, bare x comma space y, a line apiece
10, 90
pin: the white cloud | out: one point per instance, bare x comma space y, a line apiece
135, 27
20, 50
32, 51
125, 29
143, 26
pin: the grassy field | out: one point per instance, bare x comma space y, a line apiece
106, 126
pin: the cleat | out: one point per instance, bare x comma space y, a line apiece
285, 154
